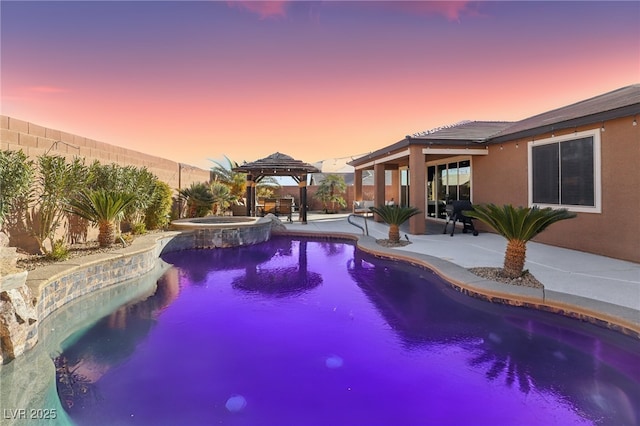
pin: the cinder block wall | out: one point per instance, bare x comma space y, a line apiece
35, 140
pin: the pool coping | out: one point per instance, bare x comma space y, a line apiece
614, 317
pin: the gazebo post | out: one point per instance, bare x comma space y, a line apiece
303, 198
250, 202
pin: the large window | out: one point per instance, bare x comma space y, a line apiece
565, 172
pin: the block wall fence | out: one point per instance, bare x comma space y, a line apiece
35, 140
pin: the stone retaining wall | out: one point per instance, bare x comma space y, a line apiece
51, 287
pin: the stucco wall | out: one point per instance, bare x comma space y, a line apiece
35, 140
501, 178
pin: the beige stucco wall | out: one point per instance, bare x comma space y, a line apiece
501, 178
35, 140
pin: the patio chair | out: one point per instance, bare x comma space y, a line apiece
286, 207
270, 206
455, 213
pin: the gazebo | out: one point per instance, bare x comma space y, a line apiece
276, 164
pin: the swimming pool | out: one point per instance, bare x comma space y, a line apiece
316, 332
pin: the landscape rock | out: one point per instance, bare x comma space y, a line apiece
18, 324
276, 224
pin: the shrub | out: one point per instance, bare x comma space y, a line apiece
59, 251
16, 174
158, 211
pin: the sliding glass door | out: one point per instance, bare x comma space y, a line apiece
447, 181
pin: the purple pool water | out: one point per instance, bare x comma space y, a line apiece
308, 332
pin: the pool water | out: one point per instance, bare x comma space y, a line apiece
316, 332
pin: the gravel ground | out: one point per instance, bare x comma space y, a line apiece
495, 274
30, 262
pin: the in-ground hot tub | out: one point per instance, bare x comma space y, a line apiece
225, 231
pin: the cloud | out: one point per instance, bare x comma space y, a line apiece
46, 89
264, 9
452, 10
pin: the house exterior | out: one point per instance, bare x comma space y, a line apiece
584, 157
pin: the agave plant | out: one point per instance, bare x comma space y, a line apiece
517, 225
103, 208
394, 216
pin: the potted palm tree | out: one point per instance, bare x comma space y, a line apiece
517, 225
102, 208
394, 216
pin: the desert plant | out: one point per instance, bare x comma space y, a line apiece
59, 251
126, 179
198, 199
236, 181
330, 192
517, 225
394, 216
102, 208
158, 211
16, 174
138, 228
267, 187
222, 196
57, 183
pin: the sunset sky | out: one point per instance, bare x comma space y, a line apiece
196, 80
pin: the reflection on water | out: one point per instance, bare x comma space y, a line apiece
110, 342
306, 332
279, 281
525, 349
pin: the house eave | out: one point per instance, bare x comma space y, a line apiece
600, 117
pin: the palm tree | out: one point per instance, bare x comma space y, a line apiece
236, 181
222, 196
330, 192
517, 225
199, 199
395, 216
103, 208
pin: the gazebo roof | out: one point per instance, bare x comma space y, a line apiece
277, 164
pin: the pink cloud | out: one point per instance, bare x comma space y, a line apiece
46, 89
265, 9
452, 10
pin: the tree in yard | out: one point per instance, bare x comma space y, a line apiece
394, 216
138, 181
57, 183
102, 208
517, 225
222, 197
237, 182
267, 187
330, 192
16, 174
199, 199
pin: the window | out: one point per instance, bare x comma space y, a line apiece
565, 172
